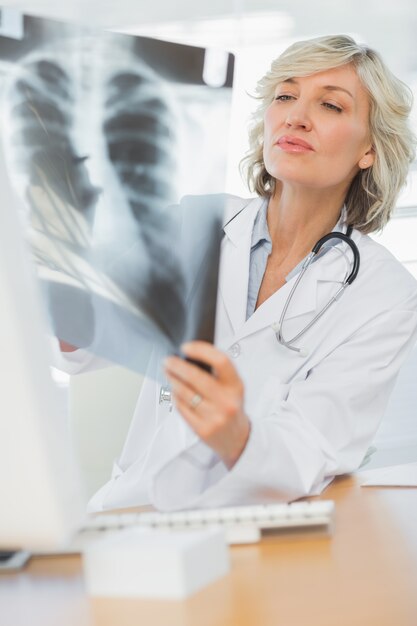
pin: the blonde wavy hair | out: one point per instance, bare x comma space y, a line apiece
373, 192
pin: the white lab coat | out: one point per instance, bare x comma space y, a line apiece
312, 417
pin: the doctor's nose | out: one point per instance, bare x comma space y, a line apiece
298, 117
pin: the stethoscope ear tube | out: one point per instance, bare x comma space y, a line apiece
347, 239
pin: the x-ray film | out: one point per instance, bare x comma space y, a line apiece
104, 134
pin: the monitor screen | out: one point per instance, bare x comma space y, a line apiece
40, 482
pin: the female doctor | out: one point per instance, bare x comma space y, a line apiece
280, 416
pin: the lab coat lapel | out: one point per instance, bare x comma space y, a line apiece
310, 296
303, 301
234, 266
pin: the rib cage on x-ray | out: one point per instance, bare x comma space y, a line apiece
103, 134
138, 129
137, 132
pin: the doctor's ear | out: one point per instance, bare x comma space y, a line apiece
367, 160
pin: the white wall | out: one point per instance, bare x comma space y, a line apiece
101, 407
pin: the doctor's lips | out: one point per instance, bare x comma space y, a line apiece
294, 144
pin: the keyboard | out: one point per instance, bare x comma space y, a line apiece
243, 524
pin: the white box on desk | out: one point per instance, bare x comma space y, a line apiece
155, 563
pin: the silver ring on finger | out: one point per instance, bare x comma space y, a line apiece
195, 401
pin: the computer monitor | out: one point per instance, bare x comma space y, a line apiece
40, 491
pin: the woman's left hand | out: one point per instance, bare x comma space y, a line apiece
212, 404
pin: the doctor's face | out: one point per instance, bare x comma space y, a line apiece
316, 130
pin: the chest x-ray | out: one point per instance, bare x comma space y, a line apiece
103, 134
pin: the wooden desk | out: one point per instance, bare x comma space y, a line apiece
365, 574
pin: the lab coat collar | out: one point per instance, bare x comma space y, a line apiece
240, 218
234, 275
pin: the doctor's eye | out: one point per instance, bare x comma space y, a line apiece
332, 107
284, 97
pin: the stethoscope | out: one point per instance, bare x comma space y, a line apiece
348, 280
165, 393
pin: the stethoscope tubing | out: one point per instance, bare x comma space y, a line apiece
277, 327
